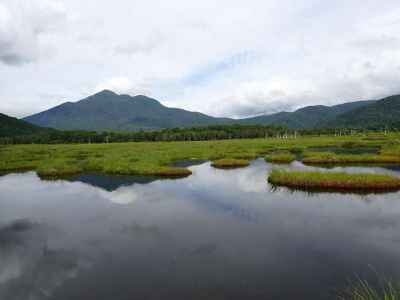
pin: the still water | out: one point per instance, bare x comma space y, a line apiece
218, 234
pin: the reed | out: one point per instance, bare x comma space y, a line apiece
362, 290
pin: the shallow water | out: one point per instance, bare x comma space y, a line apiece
218, 234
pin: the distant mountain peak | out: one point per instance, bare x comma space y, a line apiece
312, 108
112, 96
105, 93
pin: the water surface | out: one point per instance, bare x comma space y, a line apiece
218, 234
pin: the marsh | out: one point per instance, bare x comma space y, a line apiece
218, 234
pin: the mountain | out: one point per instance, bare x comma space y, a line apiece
109, 111
307, 117
10, 126
381, 113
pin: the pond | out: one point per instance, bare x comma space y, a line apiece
218, 234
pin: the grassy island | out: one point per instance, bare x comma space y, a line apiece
328, 158
230, 163
280, 158
333, 181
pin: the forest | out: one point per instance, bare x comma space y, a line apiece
208, 133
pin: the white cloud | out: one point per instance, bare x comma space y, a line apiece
21, 25
303, 52
269, 96
124, 85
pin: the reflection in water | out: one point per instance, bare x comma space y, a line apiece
109, 182
28, 269
374, 169
218, 234
395, 168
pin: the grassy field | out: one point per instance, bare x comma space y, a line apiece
156, 158
333, 181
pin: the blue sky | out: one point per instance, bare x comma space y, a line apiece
211, 71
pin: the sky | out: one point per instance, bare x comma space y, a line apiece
225, 58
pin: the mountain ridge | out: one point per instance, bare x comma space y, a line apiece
306, 117
109, 111
381, 113
10, 126
106, 110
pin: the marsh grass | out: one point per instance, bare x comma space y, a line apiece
329, 158
281, 158
54, 170
172, 172
297, 150
362, 290
230, 163
333, 181
157, 158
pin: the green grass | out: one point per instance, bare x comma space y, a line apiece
333, 181
280, 158
230, 163
58, 168
156, 158
363, 291
321, 158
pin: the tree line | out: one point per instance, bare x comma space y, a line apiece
218, 132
